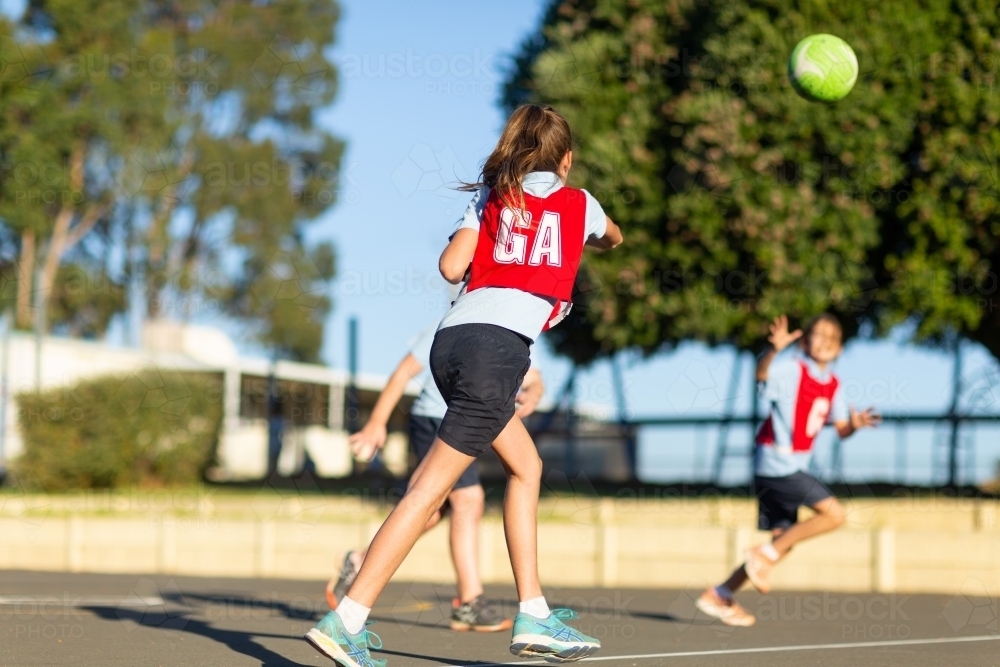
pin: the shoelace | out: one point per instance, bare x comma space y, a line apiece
368, 636
564, 614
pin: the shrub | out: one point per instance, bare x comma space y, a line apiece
146, 429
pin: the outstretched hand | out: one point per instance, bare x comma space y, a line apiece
367, 441
865, 419
780, 337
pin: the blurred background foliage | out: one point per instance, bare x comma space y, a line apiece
150, 429
167, 150
740, 201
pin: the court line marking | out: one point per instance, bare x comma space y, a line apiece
83, 601
768, 649
416, 606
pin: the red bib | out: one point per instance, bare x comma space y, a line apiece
812, 407
537, 251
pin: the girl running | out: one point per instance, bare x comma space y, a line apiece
470, 610
802, 390
520, 242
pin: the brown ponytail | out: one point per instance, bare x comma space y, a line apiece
535, 138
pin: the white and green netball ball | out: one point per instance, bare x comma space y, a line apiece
823, 68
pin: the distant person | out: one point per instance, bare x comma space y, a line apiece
803, 393
520, 243
275, 428
466, 499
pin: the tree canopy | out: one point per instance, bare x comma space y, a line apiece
167, 153
740, 201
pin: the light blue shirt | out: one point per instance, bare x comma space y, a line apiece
514, 309
781, 392
430, 402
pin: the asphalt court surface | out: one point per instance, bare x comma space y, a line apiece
137, 620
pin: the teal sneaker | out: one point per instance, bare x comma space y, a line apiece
550, 638
332, 639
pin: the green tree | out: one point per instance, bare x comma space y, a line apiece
738, 199
185, 133
84, 299
245, 167
286, 299
938, 259
62, 127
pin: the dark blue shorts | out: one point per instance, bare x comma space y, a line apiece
478, 368
423, 430
779, 498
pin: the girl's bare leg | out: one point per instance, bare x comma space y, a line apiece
520, 460
739, 575
466, 511
829, 516
736, 579
429, 486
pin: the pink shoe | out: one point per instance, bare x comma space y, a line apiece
730, 612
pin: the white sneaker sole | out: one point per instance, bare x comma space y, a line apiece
540, 646
710, 609
329, 648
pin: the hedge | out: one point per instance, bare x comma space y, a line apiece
147, 429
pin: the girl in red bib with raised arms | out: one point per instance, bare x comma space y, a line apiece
804, 396
518, 247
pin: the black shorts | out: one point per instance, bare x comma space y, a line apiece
423, 430
779, 498
478, 368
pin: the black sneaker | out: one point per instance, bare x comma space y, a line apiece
479, 616
336, 590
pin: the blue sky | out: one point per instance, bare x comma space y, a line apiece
417, 106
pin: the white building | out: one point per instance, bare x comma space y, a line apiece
314, 396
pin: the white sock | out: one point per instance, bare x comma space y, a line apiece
537, 607
769, 551
352, 614
723, 592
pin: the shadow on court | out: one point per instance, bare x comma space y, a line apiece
159, 621
234, 640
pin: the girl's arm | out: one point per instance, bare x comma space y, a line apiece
858, 420
457, 255
365, 442
780, 338
612, 237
